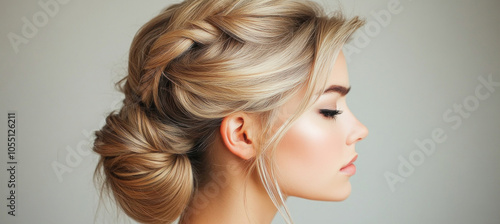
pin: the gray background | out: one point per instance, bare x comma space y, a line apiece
408, 72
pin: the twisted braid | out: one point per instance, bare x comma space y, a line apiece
168, 47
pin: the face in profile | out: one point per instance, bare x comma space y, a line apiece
314, 155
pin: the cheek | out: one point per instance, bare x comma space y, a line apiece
310, 155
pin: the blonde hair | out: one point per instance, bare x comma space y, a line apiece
194, 64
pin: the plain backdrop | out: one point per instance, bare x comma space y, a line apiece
418, 71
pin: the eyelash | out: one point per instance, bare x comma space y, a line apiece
330, 114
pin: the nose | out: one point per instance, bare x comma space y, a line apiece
358, 133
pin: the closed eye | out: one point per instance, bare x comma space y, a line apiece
331, 114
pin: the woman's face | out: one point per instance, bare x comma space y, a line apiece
313, 152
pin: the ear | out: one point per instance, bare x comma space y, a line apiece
237, 134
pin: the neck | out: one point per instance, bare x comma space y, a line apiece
230, 197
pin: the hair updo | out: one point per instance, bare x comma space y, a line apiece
194, 64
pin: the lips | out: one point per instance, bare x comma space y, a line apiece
352, 161
350, 168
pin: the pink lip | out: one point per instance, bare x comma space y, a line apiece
350, 168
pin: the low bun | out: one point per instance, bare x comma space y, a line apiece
151, 183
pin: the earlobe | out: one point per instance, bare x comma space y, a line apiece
236, 132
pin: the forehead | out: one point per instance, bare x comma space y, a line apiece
339, 74
338, 77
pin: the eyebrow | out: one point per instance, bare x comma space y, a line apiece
342, 90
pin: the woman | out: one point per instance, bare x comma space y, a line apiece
231, 107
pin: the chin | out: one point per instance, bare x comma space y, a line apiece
340, 194
330, 193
